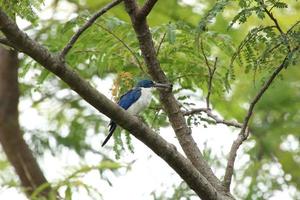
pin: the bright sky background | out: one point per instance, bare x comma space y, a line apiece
149, 173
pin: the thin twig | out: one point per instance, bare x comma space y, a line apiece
210, 78
271, 16
273, 19
205, 57
212, 116
211, 72
146, 9
244, 133
125, 45
292, 27
160, 43
86, 26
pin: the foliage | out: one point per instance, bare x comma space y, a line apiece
74, 182
248, 46
211, 14
23, 8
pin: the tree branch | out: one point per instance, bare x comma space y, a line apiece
86, 26
153, 140
210, 78
211, 72
273, 19
292, 27
17, 151
204, 55
133, 9
146, 9
243, 135
271, 16
213, 116
160, 43
171, 106
6, 42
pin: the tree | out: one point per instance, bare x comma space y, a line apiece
204, 56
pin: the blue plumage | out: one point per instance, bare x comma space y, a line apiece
125, 102
130, 97
134, 101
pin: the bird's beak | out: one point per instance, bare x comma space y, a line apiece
163, 85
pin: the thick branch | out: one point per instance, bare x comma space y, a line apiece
213, 116
244, 132
86, 26
154, 141
146, 9
13, 144
6, 42
171, 106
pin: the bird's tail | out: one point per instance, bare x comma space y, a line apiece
112, 128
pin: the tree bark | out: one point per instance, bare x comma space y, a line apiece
13, 144
154, 141
171, 105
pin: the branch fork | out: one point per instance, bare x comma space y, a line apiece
197, 180
245, 130
193, 169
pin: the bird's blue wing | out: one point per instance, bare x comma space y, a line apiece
125, 102
129, 98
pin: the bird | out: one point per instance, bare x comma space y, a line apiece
135, 101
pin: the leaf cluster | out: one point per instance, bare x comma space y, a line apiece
23, 8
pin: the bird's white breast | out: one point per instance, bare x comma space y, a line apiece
142, 103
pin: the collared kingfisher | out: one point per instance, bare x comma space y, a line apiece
135, 101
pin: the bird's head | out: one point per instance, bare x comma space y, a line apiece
150, 84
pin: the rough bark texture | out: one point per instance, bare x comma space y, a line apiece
171, 106
13, 144
156, 143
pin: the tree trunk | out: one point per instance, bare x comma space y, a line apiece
13, 144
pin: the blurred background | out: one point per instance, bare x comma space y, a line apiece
65, 133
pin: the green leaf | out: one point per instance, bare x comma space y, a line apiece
23, 8
280, 5
212, 13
